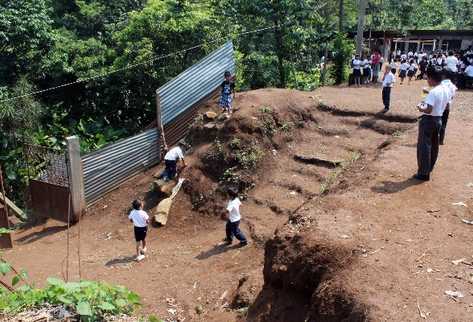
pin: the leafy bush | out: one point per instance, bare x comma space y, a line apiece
304, 81
92, 301
343, 49
249, 157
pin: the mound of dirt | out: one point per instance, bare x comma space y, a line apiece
232, 152
303, 281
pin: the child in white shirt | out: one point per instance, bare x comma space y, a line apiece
233, 220
140, 220
356, 65
403, 70
388, 82
412, 70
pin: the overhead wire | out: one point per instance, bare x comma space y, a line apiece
132, 66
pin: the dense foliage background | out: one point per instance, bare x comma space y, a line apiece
45, 43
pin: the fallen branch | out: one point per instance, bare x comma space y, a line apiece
18, 212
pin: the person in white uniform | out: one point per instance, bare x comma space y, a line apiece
430, 124
170, 161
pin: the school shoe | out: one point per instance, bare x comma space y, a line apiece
140, 257
227, 241
421, 177
243, 244
384, 111
143, 251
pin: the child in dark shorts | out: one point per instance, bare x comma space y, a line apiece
140, 220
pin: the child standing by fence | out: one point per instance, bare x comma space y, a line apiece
140, 220
228, 88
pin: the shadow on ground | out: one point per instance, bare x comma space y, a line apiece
37, 235
388, 187
216, 250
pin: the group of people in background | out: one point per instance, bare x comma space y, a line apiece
442, 73
366, 69
413, 66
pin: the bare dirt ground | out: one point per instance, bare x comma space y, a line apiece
402, 236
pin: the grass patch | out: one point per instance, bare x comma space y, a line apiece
335, 173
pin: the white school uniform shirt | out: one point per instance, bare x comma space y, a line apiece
404, 66
366, 63
413, 67
389, 80
356, 63
438, 98
174, 154
469, 71
233, 208
451, 88
139, 218
452, 63
439, 61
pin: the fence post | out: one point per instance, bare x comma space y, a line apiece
159, 121
76, 177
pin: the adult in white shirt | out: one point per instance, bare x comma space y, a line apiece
430, 124
452, 90
356, 65
232, 227
170, 161
469, 71
452, 62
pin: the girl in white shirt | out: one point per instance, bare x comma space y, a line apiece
403, 70
412, 70
233, 219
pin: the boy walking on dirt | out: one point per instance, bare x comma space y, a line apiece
388, 82
140, 220
430, 124
233, 219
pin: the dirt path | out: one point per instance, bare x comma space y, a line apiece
407, 250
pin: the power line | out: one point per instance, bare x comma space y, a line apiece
128, 67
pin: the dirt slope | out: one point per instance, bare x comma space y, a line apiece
397, 253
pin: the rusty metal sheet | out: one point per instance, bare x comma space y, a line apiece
50, 201
5, 240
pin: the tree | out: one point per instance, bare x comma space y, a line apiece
361, 24
25, 30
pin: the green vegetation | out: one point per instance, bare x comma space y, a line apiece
45, 43
92, 301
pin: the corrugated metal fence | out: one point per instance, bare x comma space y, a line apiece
195, 83
106, 169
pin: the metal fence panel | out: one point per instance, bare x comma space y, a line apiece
105, 169
195, 83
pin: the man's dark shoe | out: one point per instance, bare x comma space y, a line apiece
421, 177
227, 241
243, 244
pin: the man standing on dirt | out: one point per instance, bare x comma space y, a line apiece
430, 124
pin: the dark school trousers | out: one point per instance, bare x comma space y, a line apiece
170, 170
233, 229
428, 143
444, 125
387, 97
